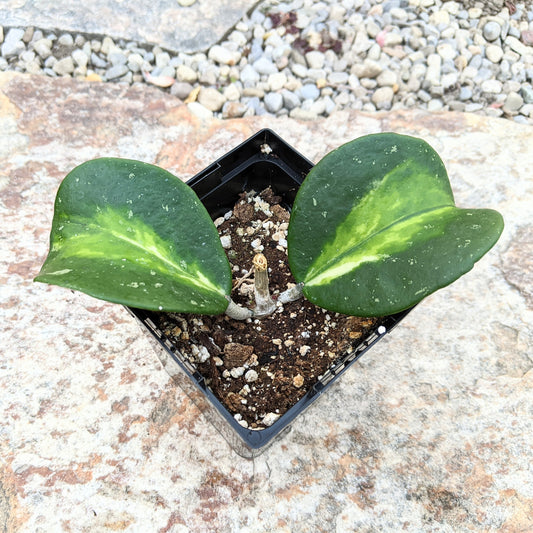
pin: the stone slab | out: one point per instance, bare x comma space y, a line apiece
430, 431
166, 23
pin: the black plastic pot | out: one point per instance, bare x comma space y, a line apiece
261, 161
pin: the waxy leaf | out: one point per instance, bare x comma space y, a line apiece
134, 234
374, 227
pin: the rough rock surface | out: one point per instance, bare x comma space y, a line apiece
431, 431
165, 22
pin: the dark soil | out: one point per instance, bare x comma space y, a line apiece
260, 368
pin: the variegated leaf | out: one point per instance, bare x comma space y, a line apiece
132, 233
374, 227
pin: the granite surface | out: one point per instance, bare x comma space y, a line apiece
176, 27
430, 431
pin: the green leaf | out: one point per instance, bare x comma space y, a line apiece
374, 227
132, 233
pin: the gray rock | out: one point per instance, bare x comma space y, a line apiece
491, 30
492, 86
66, 40
309, 91
434, 62
249, 75
97, 61
290, 99
526, 91
273, 102
513, 103
186, 74
211, 99
115, 72
382, 98
43, 47
64, 66
234, 110
80, 58
181, 89
465, 93
367, 69
265, 66
299, 70
494, 53
117, 58
162, 59
315, 59
13, 44
387, 78
223, 55
338, 78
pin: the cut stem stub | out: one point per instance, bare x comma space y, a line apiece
264, 305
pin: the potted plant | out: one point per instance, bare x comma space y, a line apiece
373, 229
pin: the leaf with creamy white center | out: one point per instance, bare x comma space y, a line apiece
132, 233
374, 227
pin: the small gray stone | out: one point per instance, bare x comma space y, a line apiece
80, 58
265, 66
338, 78
465, 93
382, 98
211, 99
290, 99
492, 86
43, 47
309, 91
66, 40
97, 61
115, 72
435, 105
186, 74
299, 70
449, 80
249, 75
446, 51
491, 30
494, 53
273, 102
513, 103
367, 69
526, 92
64, 67
117, 58
387, 78
277, 81
234, 109
223, 55
181, 89
162, 59
13, 44
315, 59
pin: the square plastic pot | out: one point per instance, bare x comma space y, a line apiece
263, 160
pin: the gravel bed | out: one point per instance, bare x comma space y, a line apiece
309, 58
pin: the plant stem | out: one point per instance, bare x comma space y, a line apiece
264, 305
237, 312
290, 295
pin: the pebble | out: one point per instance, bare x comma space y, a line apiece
13, 44
433, 54
273, 102
382, 97
211, 98
513, 103
491, 31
